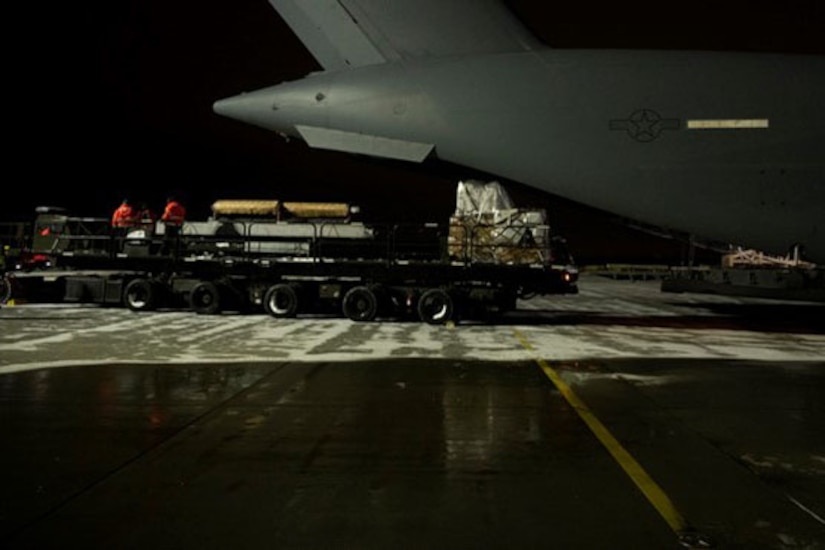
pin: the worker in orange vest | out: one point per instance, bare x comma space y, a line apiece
173, 216
174, 213
124, 215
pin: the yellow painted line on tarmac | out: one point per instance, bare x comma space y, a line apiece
651, 490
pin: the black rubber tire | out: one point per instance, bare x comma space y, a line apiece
205, 298
360, 304
281, 301
141, 295
436, 307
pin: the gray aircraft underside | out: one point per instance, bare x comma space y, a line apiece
728, 147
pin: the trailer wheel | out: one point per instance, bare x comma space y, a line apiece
281, 301
436, 307
360, 304
140, 295
205, 298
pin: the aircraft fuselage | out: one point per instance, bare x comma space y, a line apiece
729, 147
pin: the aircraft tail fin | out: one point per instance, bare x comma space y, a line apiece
343, 34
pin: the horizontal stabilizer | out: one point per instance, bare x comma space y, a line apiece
343, 34
364, 144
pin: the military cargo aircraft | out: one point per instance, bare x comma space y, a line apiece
723, 146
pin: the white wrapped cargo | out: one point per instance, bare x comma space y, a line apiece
474, 197
487, 228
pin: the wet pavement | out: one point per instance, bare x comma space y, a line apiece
176, 430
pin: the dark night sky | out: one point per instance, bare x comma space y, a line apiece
113, 98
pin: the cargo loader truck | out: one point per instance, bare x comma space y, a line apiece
290, 258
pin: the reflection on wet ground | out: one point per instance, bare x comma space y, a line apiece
428, 452
180, 430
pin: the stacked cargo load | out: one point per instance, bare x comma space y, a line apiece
487, 228
254, 226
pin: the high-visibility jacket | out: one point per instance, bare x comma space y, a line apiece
124, 216
174, 213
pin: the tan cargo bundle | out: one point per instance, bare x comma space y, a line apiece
515, 236
252, 208
276, 209
314, 210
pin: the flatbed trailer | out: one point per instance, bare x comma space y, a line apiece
752, 273
288, 269
770, 282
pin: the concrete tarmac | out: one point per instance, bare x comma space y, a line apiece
621, 417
